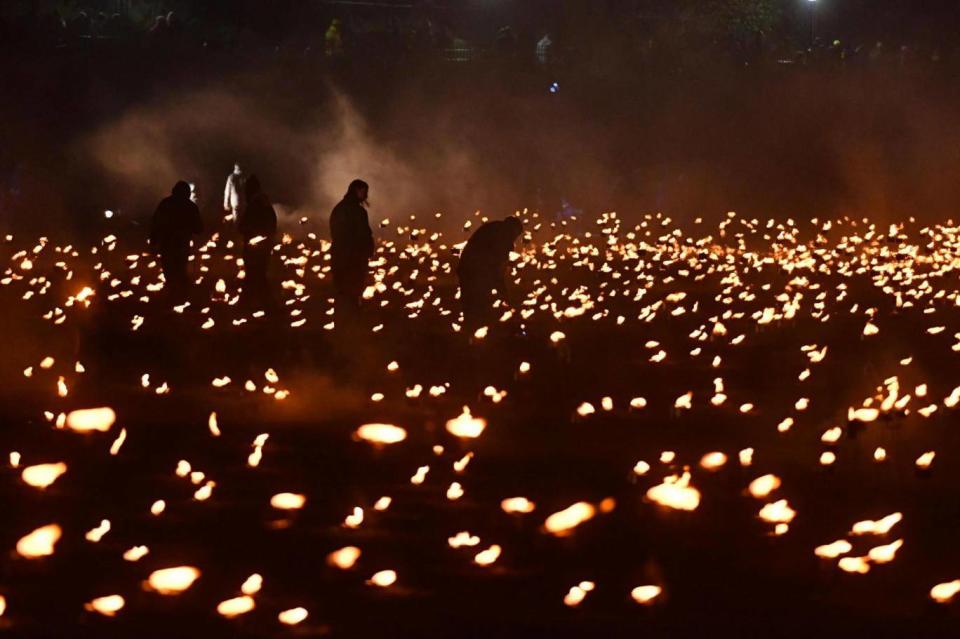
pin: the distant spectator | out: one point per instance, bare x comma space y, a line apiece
545, 50
333, 39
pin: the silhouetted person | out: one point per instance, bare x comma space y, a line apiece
175, 222
258, 226
233, 193
483, 268
351, 250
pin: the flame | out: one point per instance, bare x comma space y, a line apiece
288, 501
463, 539
107, 606
713, 461
778, 512
97, 533
91, 419
383, 579
466, 426
645, 595
293, 616
764, 485
884, 554
879, 527
945, 592
562, 523
40, 542
172, 581
236, 606
833, 550
488, 556
520, 505
381, 433
136, 553
857, 565
42, 475
345, 558
577, 593
252, 585
675, 492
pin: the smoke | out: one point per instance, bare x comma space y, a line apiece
793, 144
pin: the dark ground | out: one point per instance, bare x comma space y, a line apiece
722, 571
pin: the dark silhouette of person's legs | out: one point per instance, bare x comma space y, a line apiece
348, 284
476, 298
256, 261
175, 274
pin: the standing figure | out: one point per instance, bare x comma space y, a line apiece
351, 250
175, 222
233, 194
483, 268
258, 226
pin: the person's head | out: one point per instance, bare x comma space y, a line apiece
515, 226
181, 190
359, 191
252, 187
236, 168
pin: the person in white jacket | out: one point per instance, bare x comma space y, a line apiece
233, 194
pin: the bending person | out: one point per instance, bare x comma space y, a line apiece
483, 267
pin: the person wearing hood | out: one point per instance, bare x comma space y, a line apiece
483, 268
233, 194
258, 226
352, 248
174, 224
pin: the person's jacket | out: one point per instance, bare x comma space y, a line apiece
233, 196
351, 234
258, 219
174, 223
487, 253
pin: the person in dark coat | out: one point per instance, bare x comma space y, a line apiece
175, 222
483, 267
351, 250
258, 226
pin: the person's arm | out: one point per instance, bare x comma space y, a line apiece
227, 191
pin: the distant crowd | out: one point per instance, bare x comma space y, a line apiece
393, 36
